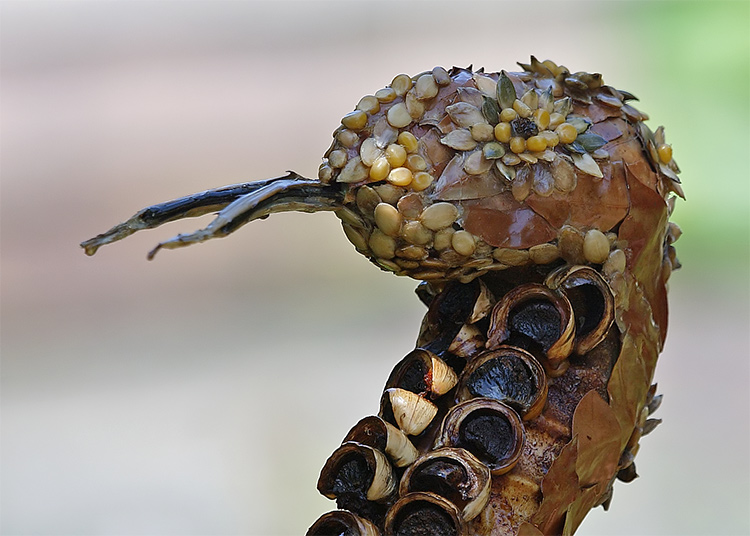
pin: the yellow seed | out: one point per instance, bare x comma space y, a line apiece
380, 169
443, 239
503, 132
400, 176
337, 158
369, 151
595, 246
550, 138
517, 144
665, 152
369, 104
421, 181
388, 219
355, 120
463, 243
416, 233
426, 87
482, 132
382, 245
555, 120
536, 144
508, 115
441, 76
521, 108
398, 116
325, 173
541, 118
401, 84
415, 162
387, 94
439, 216
567, 133
409, 141
347, 137
396, 155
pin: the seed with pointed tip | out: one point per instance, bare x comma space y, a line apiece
355, 120
595, 246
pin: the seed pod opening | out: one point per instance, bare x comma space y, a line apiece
421, 513
407, 410
383, 436
533, 317
489, 429
342, 523
358, 477
424, 373
453, 473
510, 375
592, 301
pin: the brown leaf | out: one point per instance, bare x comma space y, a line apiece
628, 386
559, 490
598, 432
527, 529
581, 506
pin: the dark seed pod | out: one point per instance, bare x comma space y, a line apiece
342, 523
424, 373
592, 301
487, 428
383, 436
358, 477
534, 317
421, 513
407, 410
508, 374
454, 473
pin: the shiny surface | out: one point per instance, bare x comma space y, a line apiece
132, 400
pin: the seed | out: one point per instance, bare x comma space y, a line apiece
400, 176
503, 132
464, 114
406, 264
564, 174
521, 108
401, 84
531, 99
511, 159
382, 245
665, 152
567, 133
441, 76
409, 141
528, 158
426, 87
536, 144
410, 205
439, 216
508, 115
609, 100
414, 253
414, 106
415, 162
585, 163
421, 181
476, 164
355, 237
396, 155
354, 171
543, 253
511, 257
386, 94
459, 139
389, 193
595, 247
337, 158
380, 169
388, 219
615, 263
493, 150
555, 120
355, 120
416, 233
348, 138
443, 238
398, 116
325, 172
517, 144
570, 242
383, 133
367, 199
483, 132
550, 138
521, 185
388, 265
369, 104
463, 243
369, 151
541, 118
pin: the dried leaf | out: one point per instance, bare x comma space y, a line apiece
588, 498
527, 529
506, 93
559, 490
598, 432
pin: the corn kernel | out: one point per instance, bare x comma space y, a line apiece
508, 115
541, 118
517, 144
550, 138
401, 84
415, 162
555, 120
536, 144
380, 169
400, 176
387, 94
567, 133
521, 108
665, 152
408, 141
503, 132
421, 181
369, 104
355, 120
395, 154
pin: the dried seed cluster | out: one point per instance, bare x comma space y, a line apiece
456, 412
437, 167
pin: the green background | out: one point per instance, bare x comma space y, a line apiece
201, 393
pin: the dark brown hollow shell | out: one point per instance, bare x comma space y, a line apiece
385, 437
508, 374
357, 469
421, 513
342, 522
424, 373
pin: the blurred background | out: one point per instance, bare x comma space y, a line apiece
201, 393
